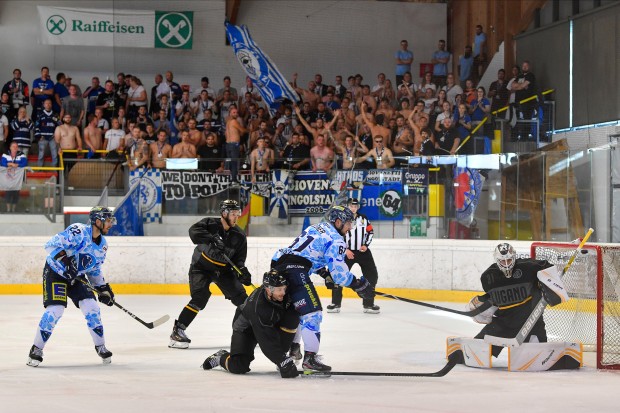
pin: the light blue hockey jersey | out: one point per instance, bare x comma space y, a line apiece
322, 245
77, 241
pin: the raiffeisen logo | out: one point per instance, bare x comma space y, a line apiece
105, 26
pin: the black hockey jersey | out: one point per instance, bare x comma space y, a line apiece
515, 296
201, 234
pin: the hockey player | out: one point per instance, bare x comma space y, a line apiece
268, 319
215, 240
514, 286
358, 239
77, 252
319, 246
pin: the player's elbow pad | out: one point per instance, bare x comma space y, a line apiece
552, 287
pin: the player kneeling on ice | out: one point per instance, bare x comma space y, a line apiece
514, 286
268, 319
73, 254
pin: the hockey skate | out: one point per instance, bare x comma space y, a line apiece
312, 362
213, 360
372, 309
333, 308
178, 338
104, 353
295, 352
35, 357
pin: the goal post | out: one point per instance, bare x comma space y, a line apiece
592, 315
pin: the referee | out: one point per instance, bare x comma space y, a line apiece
358, 238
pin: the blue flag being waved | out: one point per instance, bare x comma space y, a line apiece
272, 86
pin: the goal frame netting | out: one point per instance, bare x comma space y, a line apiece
592, 315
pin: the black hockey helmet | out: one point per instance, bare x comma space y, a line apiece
353, 201
273, 278
229, 205
342, 213
101, 213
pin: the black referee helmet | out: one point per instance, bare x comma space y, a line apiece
353, 201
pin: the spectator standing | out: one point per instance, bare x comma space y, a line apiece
440, 60
68, 137
499, 92
17, 90
452, 89
479, 52
92, 94
44, 129
466, 63
11, 160
136, 97
114, 137
108, 101
404, 58
22, 126
73, 105
60, 92
42, 88
160, 150
4, 131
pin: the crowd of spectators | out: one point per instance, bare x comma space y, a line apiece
360, 124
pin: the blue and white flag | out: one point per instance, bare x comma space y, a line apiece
278, 204
127, 214
272, 86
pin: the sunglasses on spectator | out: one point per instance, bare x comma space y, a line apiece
379, 141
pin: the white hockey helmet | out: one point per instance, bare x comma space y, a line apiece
505, 257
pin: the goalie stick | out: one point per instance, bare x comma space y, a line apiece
537, 312
485, 305
151, 325
449, 366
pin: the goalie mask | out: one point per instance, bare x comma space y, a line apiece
505, 258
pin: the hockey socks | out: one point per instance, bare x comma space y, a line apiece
92, 314
187, 315
50, 318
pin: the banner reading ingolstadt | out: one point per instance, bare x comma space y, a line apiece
116, 28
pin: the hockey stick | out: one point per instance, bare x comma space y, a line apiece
449, 366
151, 325
235, 267
537, 312
485, 305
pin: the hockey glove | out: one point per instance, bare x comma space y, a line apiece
71, 268
363, 288
106, 296
327, 276
245, 277
288, 370
218, 242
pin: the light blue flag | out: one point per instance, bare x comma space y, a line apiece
127, 214
272, 86
278, 203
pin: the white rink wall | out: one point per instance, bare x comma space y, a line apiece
402, 263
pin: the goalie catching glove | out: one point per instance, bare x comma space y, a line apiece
106, 296
551, 285
363, 288
327, 276
484, 317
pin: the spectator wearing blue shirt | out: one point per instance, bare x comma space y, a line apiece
404, 58
60, 92
440, 60
14, 158
466, 63
480, 42
462, 122
92, 94
42, 89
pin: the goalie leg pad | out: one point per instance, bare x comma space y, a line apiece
545, 356
475, 352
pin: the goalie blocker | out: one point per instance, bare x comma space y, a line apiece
528, 357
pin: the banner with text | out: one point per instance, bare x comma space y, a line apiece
192, 184
310, 193
71, 26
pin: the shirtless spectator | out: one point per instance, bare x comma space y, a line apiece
307, 95
350, 150
367, 99
196, 137
93, 137
385, 109
73, 105
375, 129
184, 149
403, 141
262, 132
68, 137
160, 150
322, 156
261, 158
138, 150
347, 113
380, 154
113, 140
405, 108
234, 130
320, 128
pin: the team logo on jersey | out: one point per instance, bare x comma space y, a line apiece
391, 203
517, 273
86, 261
56, 24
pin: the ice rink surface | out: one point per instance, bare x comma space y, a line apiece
147, 376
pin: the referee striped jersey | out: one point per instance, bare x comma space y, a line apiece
360, 233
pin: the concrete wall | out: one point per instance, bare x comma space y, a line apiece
404, 264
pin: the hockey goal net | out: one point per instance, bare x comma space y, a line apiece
592, 315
